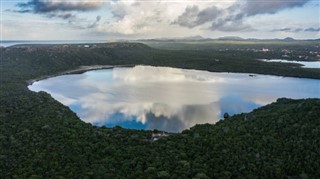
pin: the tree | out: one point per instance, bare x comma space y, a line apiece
226, 115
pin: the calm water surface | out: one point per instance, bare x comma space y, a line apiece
305, 64
8, 43
168, 99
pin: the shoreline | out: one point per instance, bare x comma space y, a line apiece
79, 70
83, 69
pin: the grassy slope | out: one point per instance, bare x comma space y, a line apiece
39, 137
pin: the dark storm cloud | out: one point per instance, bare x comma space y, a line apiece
39, 6
230, 19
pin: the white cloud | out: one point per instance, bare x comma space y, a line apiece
158, 18
151, 17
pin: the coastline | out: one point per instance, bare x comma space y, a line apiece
83, 69
79, 70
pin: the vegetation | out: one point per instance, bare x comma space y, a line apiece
285, 49
299, 50
41, 138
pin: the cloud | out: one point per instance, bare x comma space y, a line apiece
287, 29
65, 16
189, 17
220, 19
120, 10
132, 18
163, 74
230, 26
298, 30
311, 29
47, 6
179, 18
254, 7
192, 17
78, 23
95, 23
231, 18
64, 10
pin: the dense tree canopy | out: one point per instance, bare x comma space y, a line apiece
41, 138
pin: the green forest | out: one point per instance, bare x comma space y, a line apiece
41, 138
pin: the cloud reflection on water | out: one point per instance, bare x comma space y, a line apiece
168, 98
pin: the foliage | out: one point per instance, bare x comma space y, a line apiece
41, 138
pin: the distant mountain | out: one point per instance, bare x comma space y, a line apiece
231, 38
289, 39
178, 39
198, 37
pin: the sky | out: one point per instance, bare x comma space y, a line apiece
144, 19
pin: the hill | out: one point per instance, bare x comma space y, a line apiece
279, 140
41, 138
230, 38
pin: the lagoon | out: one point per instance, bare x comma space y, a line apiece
304, 64
169, 99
